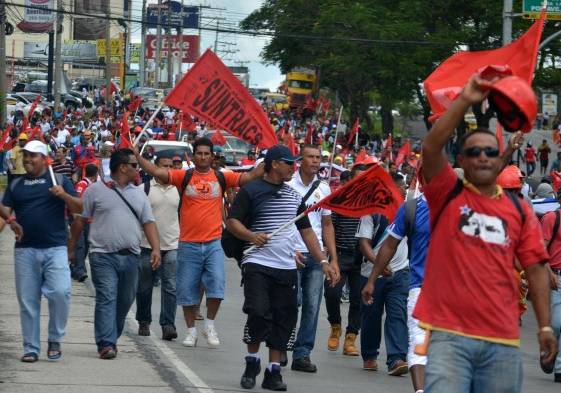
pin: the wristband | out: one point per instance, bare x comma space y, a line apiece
324, 261
10, 219
544, 329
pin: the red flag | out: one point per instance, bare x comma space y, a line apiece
36, 132
5, 136
135, 103
218, 139
125, 133
356, 126
556, 177
326, 106
309, 138
373, 191
211, 92
291, 144
33, 107
500, 138
446, 82
403, 152
361, 156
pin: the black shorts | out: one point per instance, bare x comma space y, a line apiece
271, 306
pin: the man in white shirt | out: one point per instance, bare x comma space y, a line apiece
306, 182
164, 199
63, 133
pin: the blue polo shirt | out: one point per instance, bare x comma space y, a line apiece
419, 240
38, 211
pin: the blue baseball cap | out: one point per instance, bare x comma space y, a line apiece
280, 153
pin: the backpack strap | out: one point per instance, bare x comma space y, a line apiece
315, 185
515, 199
147, 187
221, 180
458, 187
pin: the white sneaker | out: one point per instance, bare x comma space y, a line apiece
191, 339
211, 336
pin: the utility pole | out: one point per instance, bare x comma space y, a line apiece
50, 63
2, 63
158, 46
507, 22
180, 43
170, 48
58, 56
216, 36
142, 46
107, 56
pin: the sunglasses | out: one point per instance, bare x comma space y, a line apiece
476, 151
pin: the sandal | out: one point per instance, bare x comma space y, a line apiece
53, 352
108, 353
30, 357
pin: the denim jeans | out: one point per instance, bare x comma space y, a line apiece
199, 263
146, 285
389, 293
556, 324
115, 278
310, 290
458, 364
333, 300
78, 269
42, 271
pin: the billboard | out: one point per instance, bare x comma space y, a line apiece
190, 15
71, 51
91, 6
189, 43
38, 16
89, 29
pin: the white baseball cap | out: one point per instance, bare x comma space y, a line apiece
36, 147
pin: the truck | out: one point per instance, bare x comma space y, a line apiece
300, 86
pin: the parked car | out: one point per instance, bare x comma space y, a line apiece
38, 86
234, 150
170, 149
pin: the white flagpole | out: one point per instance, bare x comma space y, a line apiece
147, 124
51, 172
334, 146
283, 226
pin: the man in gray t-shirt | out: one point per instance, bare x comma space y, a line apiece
118, 212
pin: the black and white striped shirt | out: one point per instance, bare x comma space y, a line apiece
270, 206
345, 230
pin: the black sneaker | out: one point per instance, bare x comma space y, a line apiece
252, 370
169, 332
304, 364
557, 377
273, 380
283, 359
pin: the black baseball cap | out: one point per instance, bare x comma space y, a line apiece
280, 153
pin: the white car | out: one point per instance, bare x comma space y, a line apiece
170, 149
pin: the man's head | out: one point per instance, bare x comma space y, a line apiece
279, 162
61, 153
91, 172
35, 158
87, 138
22, 139
310, 160
399, 182
544, 142
344, 177
325, 156
480, 157
392, 168
203, 150
164, 162
123, 164
177, 162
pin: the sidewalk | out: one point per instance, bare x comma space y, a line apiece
80, 370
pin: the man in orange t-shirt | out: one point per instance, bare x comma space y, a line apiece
469, 298
200, 258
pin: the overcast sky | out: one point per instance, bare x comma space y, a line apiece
249, 47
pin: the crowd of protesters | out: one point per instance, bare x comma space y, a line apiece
448, 271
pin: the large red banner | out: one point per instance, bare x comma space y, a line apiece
211, 92
189, 43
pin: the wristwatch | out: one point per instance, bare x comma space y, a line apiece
544, 329
10, 219
324, 261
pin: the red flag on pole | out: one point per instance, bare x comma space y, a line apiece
211, 92
361, 156
5, 136
218, 139
125, 133
356, 126
135, 103
373, 191
403, 152
309, 138
291, 144
446, 82
499, 134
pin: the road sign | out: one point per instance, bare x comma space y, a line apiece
190, 15
8, 28
116, 49
531, 9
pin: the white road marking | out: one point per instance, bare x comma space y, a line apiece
191, 376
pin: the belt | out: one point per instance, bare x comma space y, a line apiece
125, 251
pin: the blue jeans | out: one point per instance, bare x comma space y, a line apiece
200, 263
556, 324
389, 293
458, 364
146, 285
78, 269
115, 278
310, 290
42, 271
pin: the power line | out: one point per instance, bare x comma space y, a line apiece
252, 33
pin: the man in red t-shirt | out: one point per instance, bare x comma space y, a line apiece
553, 242
200, 258
530, 158
469, 299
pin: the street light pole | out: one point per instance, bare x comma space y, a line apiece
2, 63
507, 22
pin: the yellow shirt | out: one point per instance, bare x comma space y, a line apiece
17, 158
